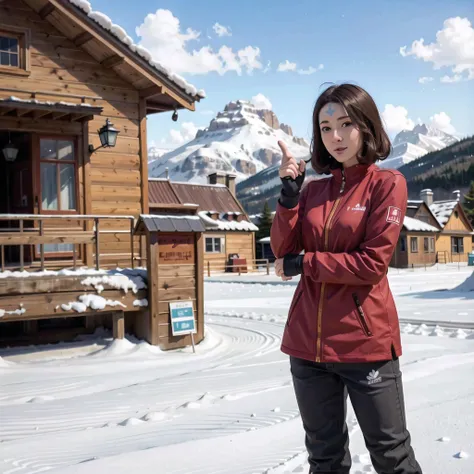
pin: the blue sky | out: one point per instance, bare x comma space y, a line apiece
355, 41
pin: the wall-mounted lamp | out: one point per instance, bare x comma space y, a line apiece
108, 137
174, 117
10, 151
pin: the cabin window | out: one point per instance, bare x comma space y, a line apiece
457, 245
14, 57
432, 244
215, 245
58, 175
426, 244
403, 244
9, 51
414, 244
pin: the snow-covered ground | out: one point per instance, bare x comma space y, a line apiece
102, 406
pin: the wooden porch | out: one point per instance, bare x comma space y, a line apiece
72, 284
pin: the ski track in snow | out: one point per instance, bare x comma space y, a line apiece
161, 410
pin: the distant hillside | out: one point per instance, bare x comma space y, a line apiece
442, 171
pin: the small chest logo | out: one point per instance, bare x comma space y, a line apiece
394, 215
357, 207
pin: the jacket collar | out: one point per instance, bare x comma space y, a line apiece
353, 173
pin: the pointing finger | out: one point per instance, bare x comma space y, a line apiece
284, 150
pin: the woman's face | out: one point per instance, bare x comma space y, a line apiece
341, 138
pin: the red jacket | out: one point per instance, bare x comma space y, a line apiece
348, 225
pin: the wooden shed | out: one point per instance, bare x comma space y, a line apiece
175, 273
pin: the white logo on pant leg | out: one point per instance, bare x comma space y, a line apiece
373, 377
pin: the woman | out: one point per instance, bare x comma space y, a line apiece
342, 333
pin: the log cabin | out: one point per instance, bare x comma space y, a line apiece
228, 229
75, 94
433, 232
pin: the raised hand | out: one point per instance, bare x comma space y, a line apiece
289, 167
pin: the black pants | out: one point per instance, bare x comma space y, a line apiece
376, 394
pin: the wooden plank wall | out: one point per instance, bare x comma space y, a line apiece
243, 244
58, 66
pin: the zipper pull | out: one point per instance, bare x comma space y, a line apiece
341, 190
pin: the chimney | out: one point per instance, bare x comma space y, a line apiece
230, 182
216, 178
457, 195
427, 196
222, 178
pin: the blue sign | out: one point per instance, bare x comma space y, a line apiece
182, 318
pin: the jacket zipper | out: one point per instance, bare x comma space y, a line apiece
323, 286
362, 319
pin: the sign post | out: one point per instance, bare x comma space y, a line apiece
182, 319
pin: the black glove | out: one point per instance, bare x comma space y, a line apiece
292, 264
290, 192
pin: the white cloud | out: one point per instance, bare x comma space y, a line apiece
267, 68
161, 34
442, 121
310, 70
450, 79
396, 119
221, 30
286, 66
424, 80
261, 102
454, 48
180, 136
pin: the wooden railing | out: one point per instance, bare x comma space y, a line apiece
222, 266
41, 234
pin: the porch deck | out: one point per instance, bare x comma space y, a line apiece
79, 283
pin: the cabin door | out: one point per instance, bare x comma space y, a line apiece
56, 188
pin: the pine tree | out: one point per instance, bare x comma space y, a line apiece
265, 222
468, 204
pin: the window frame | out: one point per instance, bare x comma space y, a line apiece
23, 36
426, 245
413, 240
432, 246
213, 238
457, 245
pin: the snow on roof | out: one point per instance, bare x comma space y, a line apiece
415, 225
44, 102
106, 23
222, 224
264, 240
443, 210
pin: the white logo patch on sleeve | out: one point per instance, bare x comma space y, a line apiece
394, 215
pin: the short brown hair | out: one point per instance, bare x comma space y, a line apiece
363, 112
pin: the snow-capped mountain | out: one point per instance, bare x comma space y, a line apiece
241, 140
409, 145
155, 153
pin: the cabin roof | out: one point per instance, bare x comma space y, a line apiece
113, 48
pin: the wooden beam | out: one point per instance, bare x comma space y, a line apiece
58, 115
21, 112
143, 167
112, 61
6, 111
49, 305
46, 11
37, 114
150, 92
118, 325
82, 38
